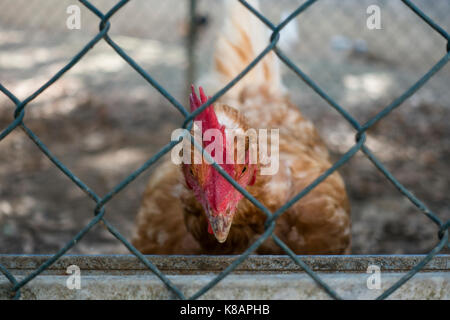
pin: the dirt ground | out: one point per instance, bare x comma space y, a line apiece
103, 121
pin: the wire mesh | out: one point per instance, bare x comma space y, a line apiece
360, 137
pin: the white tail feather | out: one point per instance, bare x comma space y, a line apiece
241, 40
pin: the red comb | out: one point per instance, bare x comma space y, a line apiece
208, 116
209, 121
194, 100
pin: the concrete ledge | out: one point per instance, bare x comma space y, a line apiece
260, 277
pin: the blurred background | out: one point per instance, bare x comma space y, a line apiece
102, 120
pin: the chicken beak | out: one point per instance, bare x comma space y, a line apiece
220, 224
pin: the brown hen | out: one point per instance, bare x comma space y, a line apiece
179, 215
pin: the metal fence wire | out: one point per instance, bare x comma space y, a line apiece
360, 138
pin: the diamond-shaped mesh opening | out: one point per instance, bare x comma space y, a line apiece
27, 224
360, 134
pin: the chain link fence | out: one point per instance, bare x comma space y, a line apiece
106, 21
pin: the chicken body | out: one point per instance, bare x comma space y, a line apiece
171, 221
